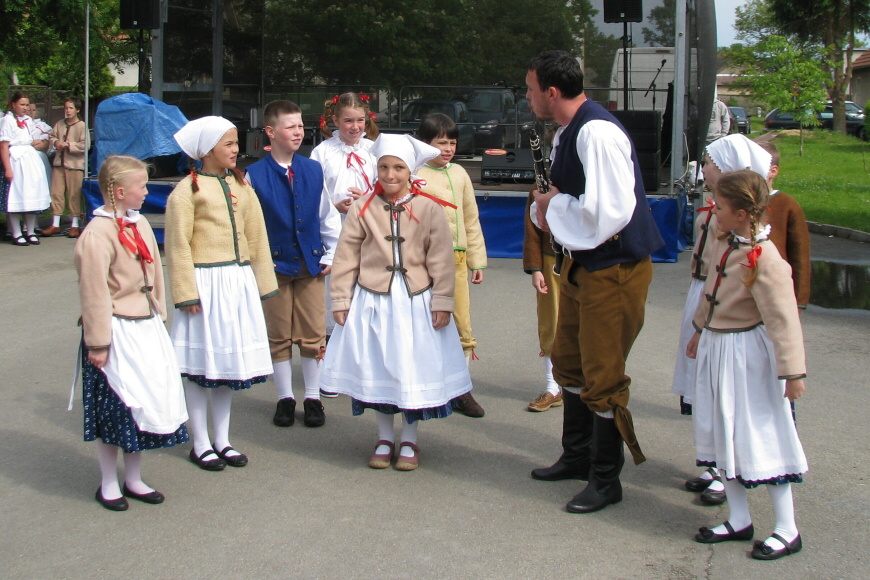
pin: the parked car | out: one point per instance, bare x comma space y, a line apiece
499, 118
414, 112
741, 120
778, 119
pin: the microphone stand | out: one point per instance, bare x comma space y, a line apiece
652, 85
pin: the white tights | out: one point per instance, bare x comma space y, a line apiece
197, 409
387, 432
107, 456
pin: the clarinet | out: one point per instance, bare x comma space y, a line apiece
542, 178
542, 181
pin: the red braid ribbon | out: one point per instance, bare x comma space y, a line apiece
709, 207
353, 157
752, 257
137, 245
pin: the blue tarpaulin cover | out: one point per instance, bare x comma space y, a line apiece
137, 125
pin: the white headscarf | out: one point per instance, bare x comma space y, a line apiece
200, 136
735, 152
412, 151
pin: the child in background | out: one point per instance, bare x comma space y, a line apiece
789, 231
303, 228
539, 261
349, 170
133, 398
220, 269
450, 182
396, 348
26, 194
725, 155
749, 350
70, 141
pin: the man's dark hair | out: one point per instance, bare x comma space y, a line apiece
435, 125
275, 109
557, 68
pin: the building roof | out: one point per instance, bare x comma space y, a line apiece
862, 61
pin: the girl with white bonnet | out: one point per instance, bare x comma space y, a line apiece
220, 268
725, 155
395, 348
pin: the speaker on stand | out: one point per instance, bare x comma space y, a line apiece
141, 15
644, 128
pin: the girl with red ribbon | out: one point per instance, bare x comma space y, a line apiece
24, 193
348, 168
395, 349
723, 156
133, 397
748, 346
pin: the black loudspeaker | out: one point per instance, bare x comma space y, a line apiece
514, 166
140, 14
623, 11
644, 128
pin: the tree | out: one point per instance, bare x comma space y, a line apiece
662, 17
43, 42
832, 24
784, 77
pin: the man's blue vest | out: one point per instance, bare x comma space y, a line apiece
291, 213
640, 237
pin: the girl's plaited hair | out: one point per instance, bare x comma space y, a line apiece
334, 106
746, 190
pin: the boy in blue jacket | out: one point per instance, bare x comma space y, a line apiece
303, 228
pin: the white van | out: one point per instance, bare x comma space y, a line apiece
643, 63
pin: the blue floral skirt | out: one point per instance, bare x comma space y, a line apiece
236, 385
410, 415
108, 418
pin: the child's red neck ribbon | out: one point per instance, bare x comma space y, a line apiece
136, 245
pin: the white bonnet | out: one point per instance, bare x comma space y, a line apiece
200, 136
410, 150
735, 152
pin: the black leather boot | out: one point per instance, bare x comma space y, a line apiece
608, 458
576, 437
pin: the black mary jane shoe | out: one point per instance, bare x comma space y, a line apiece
700, 483
32, 239
152, 497
707, 536
239, 460
216, 464
713, 496
19, 241
761, 551
116, 505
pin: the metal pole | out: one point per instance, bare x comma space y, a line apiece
87, 75
217, 58
678, 116
624, 62
157, 55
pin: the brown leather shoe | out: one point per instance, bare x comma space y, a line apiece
408, 463
50, 231
382, 460
73, 232
466, 405
544, 401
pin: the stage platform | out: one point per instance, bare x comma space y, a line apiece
502, 211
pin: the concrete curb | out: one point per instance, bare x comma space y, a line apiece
839, 232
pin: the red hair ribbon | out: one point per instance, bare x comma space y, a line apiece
137, 245
322, 122
415, 190
364, 98
752, 257
334, 99
373, 116
360, 162
709, 207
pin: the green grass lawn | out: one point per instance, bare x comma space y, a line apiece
831, 180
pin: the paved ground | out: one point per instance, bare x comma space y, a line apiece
307, 505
